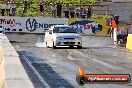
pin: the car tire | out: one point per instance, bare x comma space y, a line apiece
47, 45
79, 47
53, 47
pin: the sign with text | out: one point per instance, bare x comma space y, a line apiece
104, 78
30, 24
83, 78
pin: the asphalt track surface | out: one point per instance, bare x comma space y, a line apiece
57, 68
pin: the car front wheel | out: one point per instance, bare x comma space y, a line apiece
53, 46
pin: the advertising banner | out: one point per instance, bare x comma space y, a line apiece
30, 24
95, 27
86, 26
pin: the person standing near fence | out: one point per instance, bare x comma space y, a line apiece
109, 19
8, 8
52, 7
72, 11
41, 7
83, 13
89, 12
59, 9
116, 19
66, 11
114, 26
13, 7
2, 8
77, 11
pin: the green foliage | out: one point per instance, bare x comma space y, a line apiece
33, 8
95, 16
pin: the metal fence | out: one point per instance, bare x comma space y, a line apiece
123, 9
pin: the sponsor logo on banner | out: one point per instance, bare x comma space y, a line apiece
10, 22
86, 26
32, 25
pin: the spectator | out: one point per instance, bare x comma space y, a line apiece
59, 9
52, 7
8, 8
25, 7
77, 11
109, 23
114, 26
83, 13
110, 30
66, 11
72, 11
13, 8
2, 8
89, 12
41, 7
116, 17
119, 37
113, 23
81, 10
109, 19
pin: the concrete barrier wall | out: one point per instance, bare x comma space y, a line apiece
129, 42
12, 73
2, 77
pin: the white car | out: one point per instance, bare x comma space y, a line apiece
62, 35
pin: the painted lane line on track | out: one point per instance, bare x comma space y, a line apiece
36, 73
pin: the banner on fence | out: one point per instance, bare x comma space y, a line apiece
30, 24
95, 27
86, 26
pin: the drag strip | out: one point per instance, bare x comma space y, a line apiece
57, 68
47, 76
